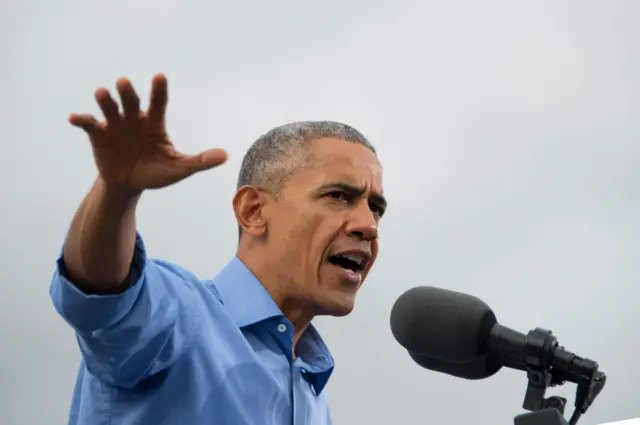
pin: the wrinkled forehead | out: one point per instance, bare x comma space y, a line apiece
348, 162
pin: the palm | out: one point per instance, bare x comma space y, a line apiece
132, 148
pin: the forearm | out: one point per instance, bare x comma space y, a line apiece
99, 247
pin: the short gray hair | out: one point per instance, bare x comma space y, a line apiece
277, 154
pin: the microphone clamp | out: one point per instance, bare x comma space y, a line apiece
547, 364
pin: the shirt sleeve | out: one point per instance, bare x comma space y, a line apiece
135, 334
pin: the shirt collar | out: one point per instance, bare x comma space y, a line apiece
243, 296
249, 303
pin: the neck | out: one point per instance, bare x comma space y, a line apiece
279, 287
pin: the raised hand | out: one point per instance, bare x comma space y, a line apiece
131, 147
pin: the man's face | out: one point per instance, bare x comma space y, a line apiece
324, 226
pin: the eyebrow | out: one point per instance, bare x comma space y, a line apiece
355, 191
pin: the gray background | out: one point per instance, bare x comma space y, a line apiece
509, 134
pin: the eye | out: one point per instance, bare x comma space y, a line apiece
377, 210
339, 196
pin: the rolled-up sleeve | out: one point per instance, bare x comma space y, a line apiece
128, 336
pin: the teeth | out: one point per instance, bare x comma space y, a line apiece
355, 258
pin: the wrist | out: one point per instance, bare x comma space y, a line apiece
118, 194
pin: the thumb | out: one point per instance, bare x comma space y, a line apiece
204, 160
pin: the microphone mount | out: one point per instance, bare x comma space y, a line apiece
548, 365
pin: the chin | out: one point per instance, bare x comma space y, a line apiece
340, 313
338, 307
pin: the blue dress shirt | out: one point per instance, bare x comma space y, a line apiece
176, 350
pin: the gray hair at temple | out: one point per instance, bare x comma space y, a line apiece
277, 154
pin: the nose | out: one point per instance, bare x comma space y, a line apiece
362, 223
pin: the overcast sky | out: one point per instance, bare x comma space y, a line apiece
508, 132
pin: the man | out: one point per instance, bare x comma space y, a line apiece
160, 346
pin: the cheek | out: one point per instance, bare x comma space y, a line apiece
294, 231
374, 254
309, 221
305, 232
327, 226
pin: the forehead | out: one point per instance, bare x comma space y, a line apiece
348, 162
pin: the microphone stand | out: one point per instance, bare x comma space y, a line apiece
543, 411
548, 365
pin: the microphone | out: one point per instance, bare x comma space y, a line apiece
478, 368
459, 335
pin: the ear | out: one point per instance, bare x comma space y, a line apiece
248, 204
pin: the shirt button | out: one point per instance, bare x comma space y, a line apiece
282, 327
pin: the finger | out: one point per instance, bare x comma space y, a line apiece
86, 122
107, 105
159, 98
192, 164
129, 98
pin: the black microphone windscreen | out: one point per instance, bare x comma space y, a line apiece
442, 324
478, 368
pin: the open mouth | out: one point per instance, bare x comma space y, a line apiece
348, 262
